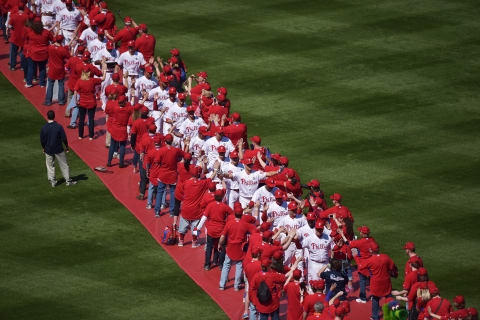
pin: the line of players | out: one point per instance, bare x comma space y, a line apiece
248, 199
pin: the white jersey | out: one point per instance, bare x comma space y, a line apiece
318, 248
305, 232
290, 223
45, 5
264, 196
58, 6
88, 35
162, 98
131, 62
109, 55
228, 167
176, 113
196, 146
69, 20
189, 128
210, 150
277, 212
143, 83
247, 183
95, 46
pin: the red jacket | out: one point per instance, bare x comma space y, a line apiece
182, 176
57, 57
216, 213
118, 119
272, 279
382, 269
146, 45
125, 35
236, 232
193, 190
294, 309
86, 91
38, 44
236, 132
17, 21
167, 158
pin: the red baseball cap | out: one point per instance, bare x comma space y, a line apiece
233, 155
319, 224
100, 31
297, 274
187, 156
93, 22
127, 20
275, 156
86, 55
207, 101
318, 201
222, 90
422, 271
167, 68
131, 43
409, 246
314, 183
311, 216
415, 259
173, 60
267, 234
80, 50
212, 186
149, 69
137, 106
336, 197
143, 27
169, 137
219, 193
221, 149
256, 139
68, 1
289, 173
283, 160
202, 74
364, 229
219, 130
266, 262
270, 182
317, 284
182, 96
472, 311
197, 170
265, 226
110, 45
236, 116
279, 194
172, 90
157, 139
59, 38
103, 5
175, 52
220, 97
122, 99
190, 108
144, 110
457, 299
278, 254
202, 130
292, 206
152, 128
251, 204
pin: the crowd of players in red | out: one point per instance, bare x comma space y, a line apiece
248, 199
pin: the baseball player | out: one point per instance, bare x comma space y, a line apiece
90, 33
211, 145
46, 8
97, 44
189, 127
131, 61
319, 247
265, 195
275, 211
231, 167
68, 21
292, 221
177, 111
307, 230
145, 83
110, 55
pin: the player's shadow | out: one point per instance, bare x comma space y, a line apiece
77, 178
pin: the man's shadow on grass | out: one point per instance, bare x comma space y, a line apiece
77, 178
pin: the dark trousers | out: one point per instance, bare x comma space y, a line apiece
218, 256
61, 91
13, 56
176, 208
3, 20
376, 306
136, 158
81, 121
364, 282
42, 71
114, 146
143, 178
275, 315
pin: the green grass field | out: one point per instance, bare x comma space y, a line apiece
377, 100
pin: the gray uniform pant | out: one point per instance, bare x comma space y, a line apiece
62, 162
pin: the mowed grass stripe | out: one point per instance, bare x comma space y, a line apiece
77, 253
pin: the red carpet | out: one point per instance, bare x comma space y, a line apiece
123, 185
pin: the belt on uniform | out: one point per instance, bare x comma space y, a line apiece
68, 30
234, 189
48, 14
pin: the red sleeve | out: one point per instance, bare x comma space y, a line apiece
97, 81
77, 86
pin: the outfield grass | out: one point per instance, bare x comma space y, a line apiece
378, 100
76, 252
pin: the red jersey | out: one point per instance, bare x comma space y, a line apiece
206, 199
182, 175
146, 45
149, 160
363, 245
167, 158
197, 91
217, 109
38, 44
250, 268
319, 316
74, 72
410, 280
382, 269
235, 132
119, 120
310, 300
236, 233
439, 306
126, 34
17, 21
294, 309
342, 253
146, 142
408, 267
253, 153
216, 213
272, 279
193, 191
86, 91
139, 127
57, 56
412, 295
